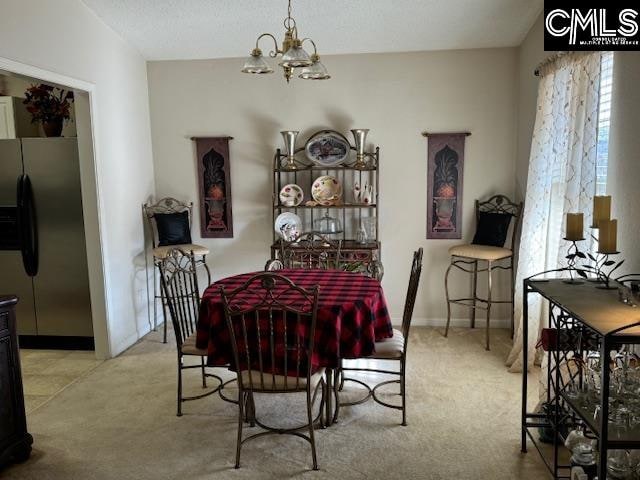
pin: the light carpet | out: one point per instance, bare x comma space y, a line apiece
118, 422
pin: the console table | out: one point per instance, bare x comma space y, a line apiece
15, 442
582, 312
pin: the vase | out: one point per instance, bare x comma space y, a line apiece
52, 128
444, 211
360, 137
289, 137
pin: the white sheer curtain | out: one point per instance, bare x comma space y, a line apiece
561, 179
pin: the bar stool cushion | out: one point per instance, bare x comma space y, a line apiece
162, 252
189, 347
278, 384
390, 347
480, 252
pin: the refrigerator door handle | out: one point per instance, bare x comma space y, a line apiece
27, 226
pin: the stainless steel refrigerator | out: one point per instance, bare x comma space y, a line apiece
43, 256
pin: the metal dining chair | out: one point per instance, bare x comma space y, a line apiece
273, 265
180, 286
394, 349
271, 324
467, 257
311, 250
160, 251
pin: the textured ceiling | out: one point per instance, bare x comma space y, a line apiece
189, 29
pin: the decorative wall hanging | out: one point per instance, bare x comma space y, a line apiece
444, 184
214, 183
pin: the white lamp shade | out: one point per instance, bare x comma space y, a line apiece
256, 64
316, 71
295, 57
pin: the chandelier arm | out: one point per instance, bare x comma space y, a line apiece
272, 53
315, 50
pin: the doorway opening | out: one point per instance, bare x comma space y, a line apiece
63, 304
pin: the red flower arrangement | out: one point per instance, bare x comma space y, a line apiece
48, 104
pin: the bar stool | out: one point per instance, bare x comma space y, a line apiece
170, 223
494, 217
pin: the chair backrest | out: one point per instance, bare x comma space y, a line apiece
503, 205
412, 291
165, 205
180, 285
271, 324
273, 265
375, 270
311, 250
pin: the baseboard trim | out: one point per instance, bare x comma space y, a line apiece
455, 322
54, 342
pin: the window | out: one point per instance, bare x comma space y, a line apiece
604, 120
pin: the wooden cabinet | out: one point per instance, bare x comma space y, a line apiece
15, 442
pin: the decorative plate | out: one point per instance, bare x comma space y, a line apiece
326, 190
288, 225
327, 148
291, 195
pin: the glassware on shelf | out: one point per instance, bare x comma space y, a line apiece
361, 235
584, 456
618, 465
327, 225
370, 228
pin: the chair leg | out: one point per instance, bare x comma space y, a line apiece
403, 391
446, 292
311, 430
179, 414
475, 293
240, 423
164, 316
204, 376
488, 302
206, 267
251, 410
513, 293
156, 279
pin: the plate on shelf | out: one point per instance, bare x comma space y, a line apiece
326, 190
291, 195
327, 148
288, 225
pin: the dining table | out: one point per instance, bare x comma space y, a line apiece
352, 315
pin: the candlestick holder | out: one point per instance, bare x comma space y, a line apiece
606, 277
601, 262
573, 254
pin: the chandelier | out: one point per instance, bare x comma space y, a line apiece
293, 55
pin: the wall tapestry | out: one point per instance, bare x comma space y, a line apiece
444, 184
214, 183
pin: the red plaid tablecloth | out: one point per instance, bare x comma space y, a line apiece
352, 315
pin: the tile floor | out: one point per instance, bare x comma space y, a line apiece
45, 373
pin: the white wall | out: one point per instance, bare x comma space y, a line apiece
397, 96
66, 38
624, 156
530, 54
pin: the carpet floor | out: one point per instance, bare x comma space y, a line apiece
118, 422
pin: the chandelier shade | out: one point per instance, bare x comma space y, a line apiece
256, 64
293, 55
315, 71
